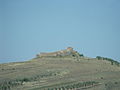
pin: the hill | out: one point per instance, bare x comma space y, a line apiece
61, 70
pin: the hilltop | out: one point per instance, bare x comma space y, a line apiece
61, 70
62, 53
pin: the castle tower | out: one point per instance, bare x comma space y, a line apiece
70, 49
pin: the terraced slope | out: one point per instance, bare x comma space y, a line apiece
60, 73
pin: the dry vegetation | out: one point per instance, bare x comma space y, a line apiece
61, 73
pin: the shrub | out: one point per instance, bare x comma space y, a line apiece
7, 85
25, 79
108, 59
81, 55
73, 86
99, 57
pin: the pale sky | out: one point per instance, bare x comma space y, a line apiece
27, 27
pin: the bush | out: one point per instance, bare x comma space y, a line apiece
73, 85
99, 57
81, 55
108, 59
25, 79
7, 85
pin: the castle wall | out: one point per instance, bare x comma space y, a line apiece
65, 52
47, 54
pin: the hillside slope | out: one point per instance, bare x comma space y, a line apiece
60, 73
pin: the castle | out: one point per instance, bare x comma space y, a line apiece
66, 52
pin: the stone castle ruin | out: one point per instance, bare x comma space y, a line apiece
67, 52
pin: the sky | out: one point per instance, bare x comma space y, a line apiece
28, 27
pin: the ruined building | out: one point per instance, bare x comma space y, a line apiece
67, 52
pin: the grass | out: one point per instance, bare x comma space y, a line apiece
108, 59
70, 85
60, 72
